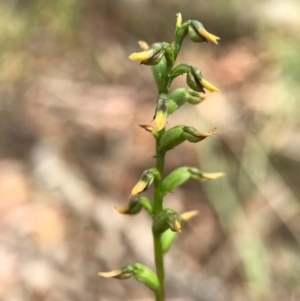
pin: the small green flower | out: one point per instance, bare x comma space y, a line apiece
150, 56
145, 181
195, 81
193, 135
167, 219
122, 273
198, 33
138, 271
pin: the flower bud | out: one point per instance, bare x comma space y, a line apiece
145, 181
176, 99
192, 135
146, 276
150, 56
175, 179
195, 81
171, 138
195, 97
180, 96
198, 33
162, 66
136, 205
178, 20
161, 112
167, 219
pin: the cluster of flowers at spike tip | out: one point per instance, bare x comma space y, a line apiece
163, 55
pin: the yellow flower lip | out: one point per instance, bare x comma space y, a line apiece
212, 175
160, 120
150, 56
141, 56
110, 274
138, 188
186, 216
122, 210
208, 36
210, 87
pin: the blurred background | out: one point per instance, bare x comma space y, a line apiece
71, 150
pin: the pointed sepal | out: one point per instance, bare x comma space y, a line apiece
150, 129
144, 45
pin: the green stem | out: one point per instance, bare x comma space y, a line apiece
158, 207
160, 163
159, 263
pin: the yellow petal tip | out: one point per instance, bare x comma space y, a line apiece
178, 20
110, 274
122, 210
176, 227
186, 216
141, 56
143, 45
213, 175
138, 188
210, 87
208, 36
160, 120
